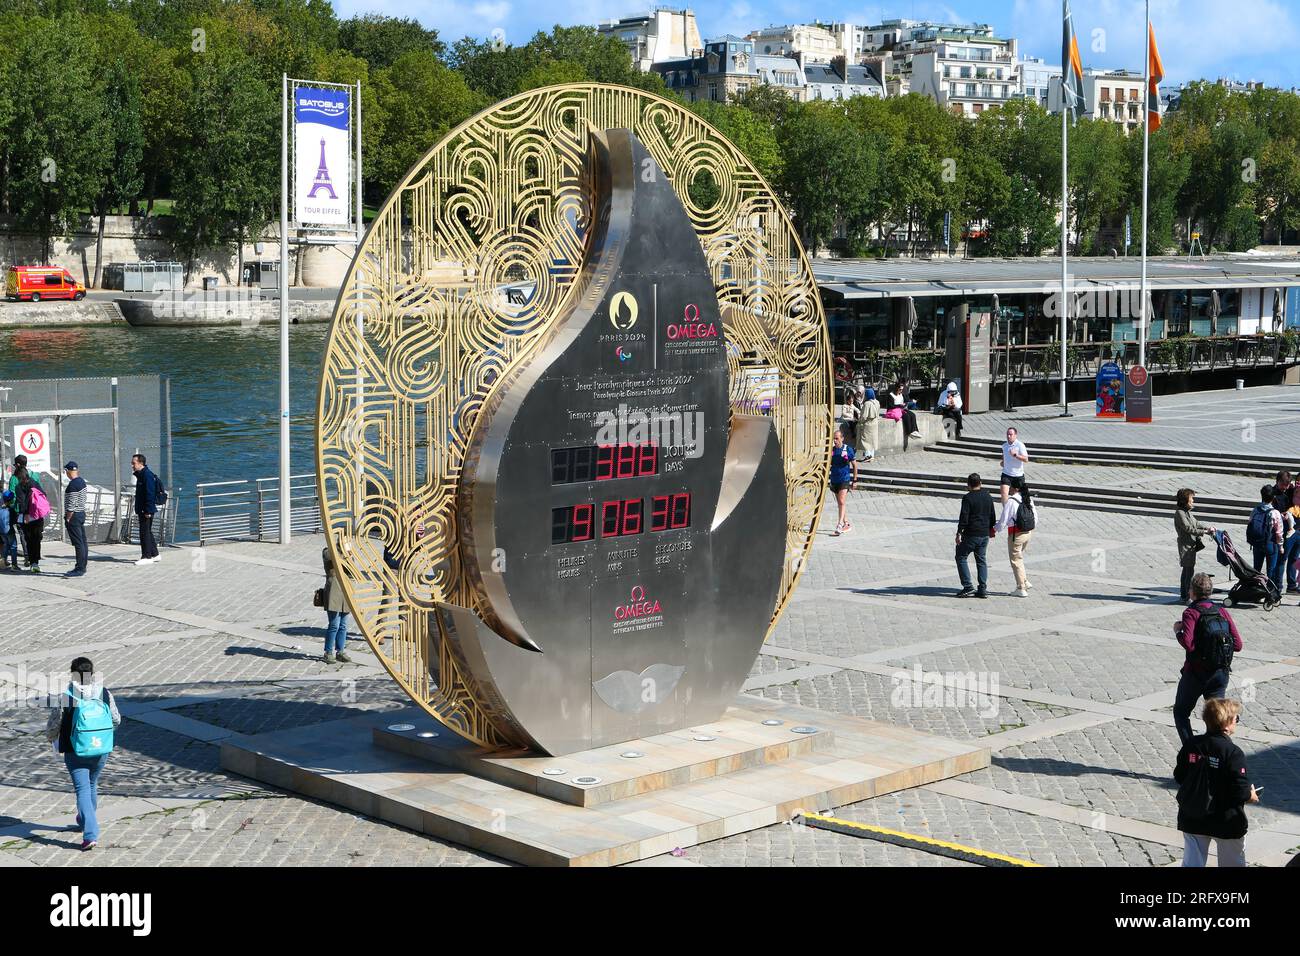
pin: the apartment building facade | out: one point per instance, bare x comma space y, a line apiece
964, 68
662, 34
728, 66
1113, 96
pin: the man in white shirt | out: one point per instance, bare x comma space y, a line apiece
1014, 456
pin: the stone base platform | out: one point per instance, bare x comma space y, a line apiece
600, 807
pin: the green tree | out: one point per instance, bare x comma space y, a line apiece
121, 179
1213, 129
830, 175
1168, 173
58, 143
380, 40
422, 100
754, 137
1277, 198
549, 72
1097, 180
227, 184
1024, 143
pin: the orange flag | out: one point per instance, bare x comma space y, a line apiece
1157, 73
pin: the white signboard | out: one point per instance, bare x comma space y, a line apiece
322, 156
34, 442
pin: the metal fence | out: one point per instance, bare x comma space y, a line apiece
99, 423
250, 509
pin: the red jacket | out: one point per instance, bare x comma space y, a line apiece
1187, 633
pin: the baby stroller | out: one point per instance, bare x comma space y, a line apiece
1252, 586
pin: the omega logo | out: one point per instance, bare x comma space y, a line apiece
692, 327
637, 606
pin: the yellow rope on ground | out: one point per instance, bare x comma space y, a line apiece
899, 838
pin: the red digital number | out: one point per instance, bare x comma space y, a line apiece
582, 515
627, 461
604, 462
681, 514
611, 516
648, 460
659, 513
632, 511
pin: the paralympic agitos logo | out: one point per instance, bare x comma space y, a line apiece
637, 606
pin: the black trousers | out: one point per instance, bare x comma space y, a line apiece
77, 535
955, 415
148, 546
32, 532
1185, 585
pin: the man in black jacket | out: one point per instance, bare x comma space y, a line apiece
1213, 789
975, 526
146, 506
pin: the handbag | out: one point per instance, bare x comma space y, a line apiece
318, 598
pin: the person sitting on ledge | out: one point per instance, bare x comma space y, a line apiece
898, 411
949, 406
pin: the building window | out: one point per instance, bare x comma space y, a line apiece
1105, 94
970, 89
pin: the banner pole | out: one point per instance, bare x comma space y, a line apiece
284, 311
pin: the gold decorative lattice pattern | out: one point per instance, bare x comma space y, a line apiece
471, 258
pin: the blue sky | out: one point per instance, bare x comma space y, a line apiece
1243, 39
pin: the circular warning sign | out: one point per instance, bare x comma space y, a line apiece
1137, 375
32, 441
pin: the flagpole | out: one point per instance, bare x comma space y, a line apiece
1146, 147
1065, 225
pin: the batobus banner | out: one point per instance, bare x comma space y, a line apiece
322, 156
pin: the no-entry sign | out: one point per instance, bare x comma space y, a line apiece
34, 442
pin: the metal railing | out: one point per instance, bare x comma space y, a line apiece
164, 520
251, 508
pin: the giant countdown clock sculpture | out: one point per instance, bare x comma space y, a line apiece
574, 422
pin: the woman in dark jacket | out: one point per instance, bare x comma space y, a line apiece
1214, 789
1189, 531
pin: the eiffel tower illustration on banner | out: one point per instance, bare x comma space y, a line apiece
322, 177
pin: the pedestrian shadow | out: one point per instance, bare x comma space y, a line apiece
306, 630
908, 590
1067, 768
284, 655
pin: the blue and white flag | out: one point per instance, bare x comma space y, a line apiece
322, 156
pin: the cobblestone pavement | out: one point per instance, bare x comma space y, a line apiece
1071, 688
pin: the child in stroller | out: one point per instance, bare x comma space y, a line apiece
1252, 587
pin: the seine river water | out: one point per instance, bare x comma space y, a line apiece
225, 391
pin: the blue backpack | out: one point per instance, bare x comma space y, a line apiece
92, 725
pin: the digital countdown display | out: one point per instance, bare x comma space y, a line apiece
603, 463
620, 518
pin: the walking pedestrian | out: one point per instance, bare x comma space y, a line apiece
33, 508
1190, 533
1213, 789
336, 613
975, 525
8, 532
949, 406
1019, 519
74, 516
844, 473
1264, 534
81, 729
1014, 456
1282, 568
146, 506
1210, 637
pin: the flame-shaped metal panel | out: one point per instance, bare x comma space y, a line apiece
463, 292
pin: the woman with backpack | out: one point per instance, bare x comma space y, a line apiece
1213, 789
1210, 637
32, 507
81, 729
1019, 519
